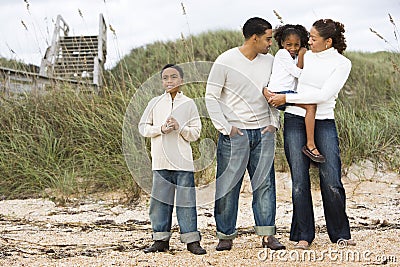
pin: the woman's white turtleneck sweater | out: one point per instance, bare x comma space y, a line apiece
323, 76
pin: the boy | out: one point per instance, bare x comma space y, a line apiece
172, 121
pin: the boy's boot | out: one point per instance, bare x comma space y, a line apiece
158, 246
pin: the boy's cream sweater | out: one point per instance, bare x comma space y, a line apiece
171, 151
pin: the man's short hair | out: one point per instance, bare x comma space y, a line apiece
256, 26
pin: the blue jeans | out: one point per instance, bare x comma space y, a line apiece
333, 193
255, 152
165, 182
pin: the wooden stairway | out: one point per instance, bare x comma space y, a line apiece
78, 58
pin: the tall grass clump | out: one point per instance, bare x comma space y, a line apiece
64, 144
368, 109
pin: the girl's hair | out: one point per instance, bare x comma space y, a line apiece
328, 28
283, 31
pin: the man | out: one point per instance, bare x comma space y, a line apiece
247, 129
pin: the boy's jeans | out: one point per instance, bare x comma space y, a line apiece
254, 151
162, 204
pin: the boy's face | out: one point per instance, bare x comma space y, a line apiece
171, 80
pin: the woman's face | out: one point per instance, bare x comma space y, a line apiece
316, 42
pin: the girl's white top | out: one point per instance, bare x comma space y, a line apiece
284, 72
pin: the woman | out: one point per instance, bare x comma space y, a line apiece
324, 74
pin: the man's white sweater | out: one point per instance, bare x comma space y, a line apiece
323, 76
171, 151
234, 92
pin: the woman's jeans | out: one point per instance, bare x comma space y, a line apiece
165, 182
255, 152
333, 194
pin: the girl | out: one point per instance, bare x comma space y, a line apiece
288, 63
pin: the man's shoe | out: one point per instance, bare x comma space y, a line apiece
158, 246
272, 243
224, 244
195, 248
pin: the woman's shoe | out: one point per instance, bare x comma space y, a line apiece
302, 244
346, 242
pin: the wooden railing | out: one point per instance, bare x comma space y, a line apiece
14, 83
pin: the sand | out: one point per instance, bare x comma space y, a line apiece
103, 232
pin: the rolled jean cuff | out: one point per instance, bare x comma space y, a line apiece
265, 230
190, 237
224, 236
161, 236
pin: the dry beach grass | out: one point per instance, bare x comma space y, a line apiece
93, 232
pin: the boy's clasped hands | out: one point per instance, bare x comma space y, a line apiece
170, 125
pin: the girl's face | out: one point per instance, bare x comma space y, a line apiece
292, 44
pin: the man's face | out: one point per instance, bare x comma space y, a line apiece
263, 42
171, 80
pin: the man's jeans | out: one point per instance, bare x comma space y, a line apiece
333, 194
254, 151
162, 204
